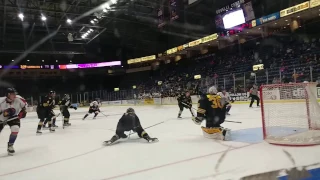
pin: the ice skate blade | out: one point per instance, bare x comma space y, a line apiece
107, 143
155, 141
10, 154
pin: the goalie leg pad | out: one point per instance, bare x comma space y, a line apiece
213, 133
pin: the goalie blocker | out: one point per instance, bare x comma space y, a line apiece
213, 109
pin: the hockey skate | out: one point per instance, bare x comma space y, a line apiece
52, 130
151, 140
66, 124
10, 149
38, 132
111, 141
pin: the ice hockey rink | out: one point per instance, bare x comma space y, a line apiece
182, 153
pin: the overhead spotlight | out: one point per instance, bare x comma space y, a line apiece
83, 36
56, 60
95, 19
69, 21
43, 18
113, 1
28, 60
42, 60
91, 30
70, 61
92, 22
12, 60
21, 16
105, 10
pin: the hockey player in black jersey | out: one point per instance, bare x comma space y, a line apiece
184, 101
65, 104
94, 108
45, 112
129, 121
213, 109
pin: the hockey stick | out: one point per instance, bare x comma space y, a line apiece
149, 127
11, 119
239, 122
190, 108
103, 114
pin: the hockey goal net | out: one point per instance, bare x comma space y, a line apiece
290, 114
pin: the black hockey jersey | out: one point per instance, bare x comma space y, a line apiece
209, 106
182, 98
47, 102
65, 104
128, 122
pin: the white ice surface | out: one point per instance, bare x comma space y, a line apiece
182, 153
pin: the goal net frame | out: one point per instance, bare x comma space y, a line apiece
311, 135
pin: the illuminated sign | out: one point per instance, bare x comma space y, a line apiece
116, 89
233, 5
180, 48
89, 65
314, 3
258, 67
142, 59
11, 67
29, 67
210, 38
195, 43
171, 51
265, 19
294, 9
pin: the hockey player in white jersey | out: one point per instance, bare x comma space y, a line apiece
225, 97
94, 108
12, 109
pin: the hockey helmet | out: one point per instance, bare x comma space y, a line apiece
66, 97
95, 103
11, 90
130, 110
52, 93
212, 90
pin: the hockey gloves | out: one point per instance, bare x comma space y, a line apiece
197, 120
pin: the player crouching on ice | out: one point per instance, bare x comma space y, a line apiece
12, 109
129, 121
212, 108
94, 108
225, 97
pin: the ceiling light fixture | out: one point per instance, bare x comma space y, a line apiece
21, 16
69, 21
43, 18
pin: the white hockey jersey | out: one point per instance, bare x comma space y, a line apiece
9, 109
224, 97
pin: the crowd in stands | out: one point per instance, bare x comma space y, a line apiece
285, 59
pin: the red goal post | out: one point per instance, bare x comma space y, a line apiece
290, 114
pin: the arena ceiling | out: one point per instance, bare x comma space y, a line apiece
126, 29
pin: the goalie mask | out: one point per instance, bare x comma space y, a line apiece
212, 90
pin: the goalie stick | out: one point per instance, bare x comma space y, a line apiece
239, 122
